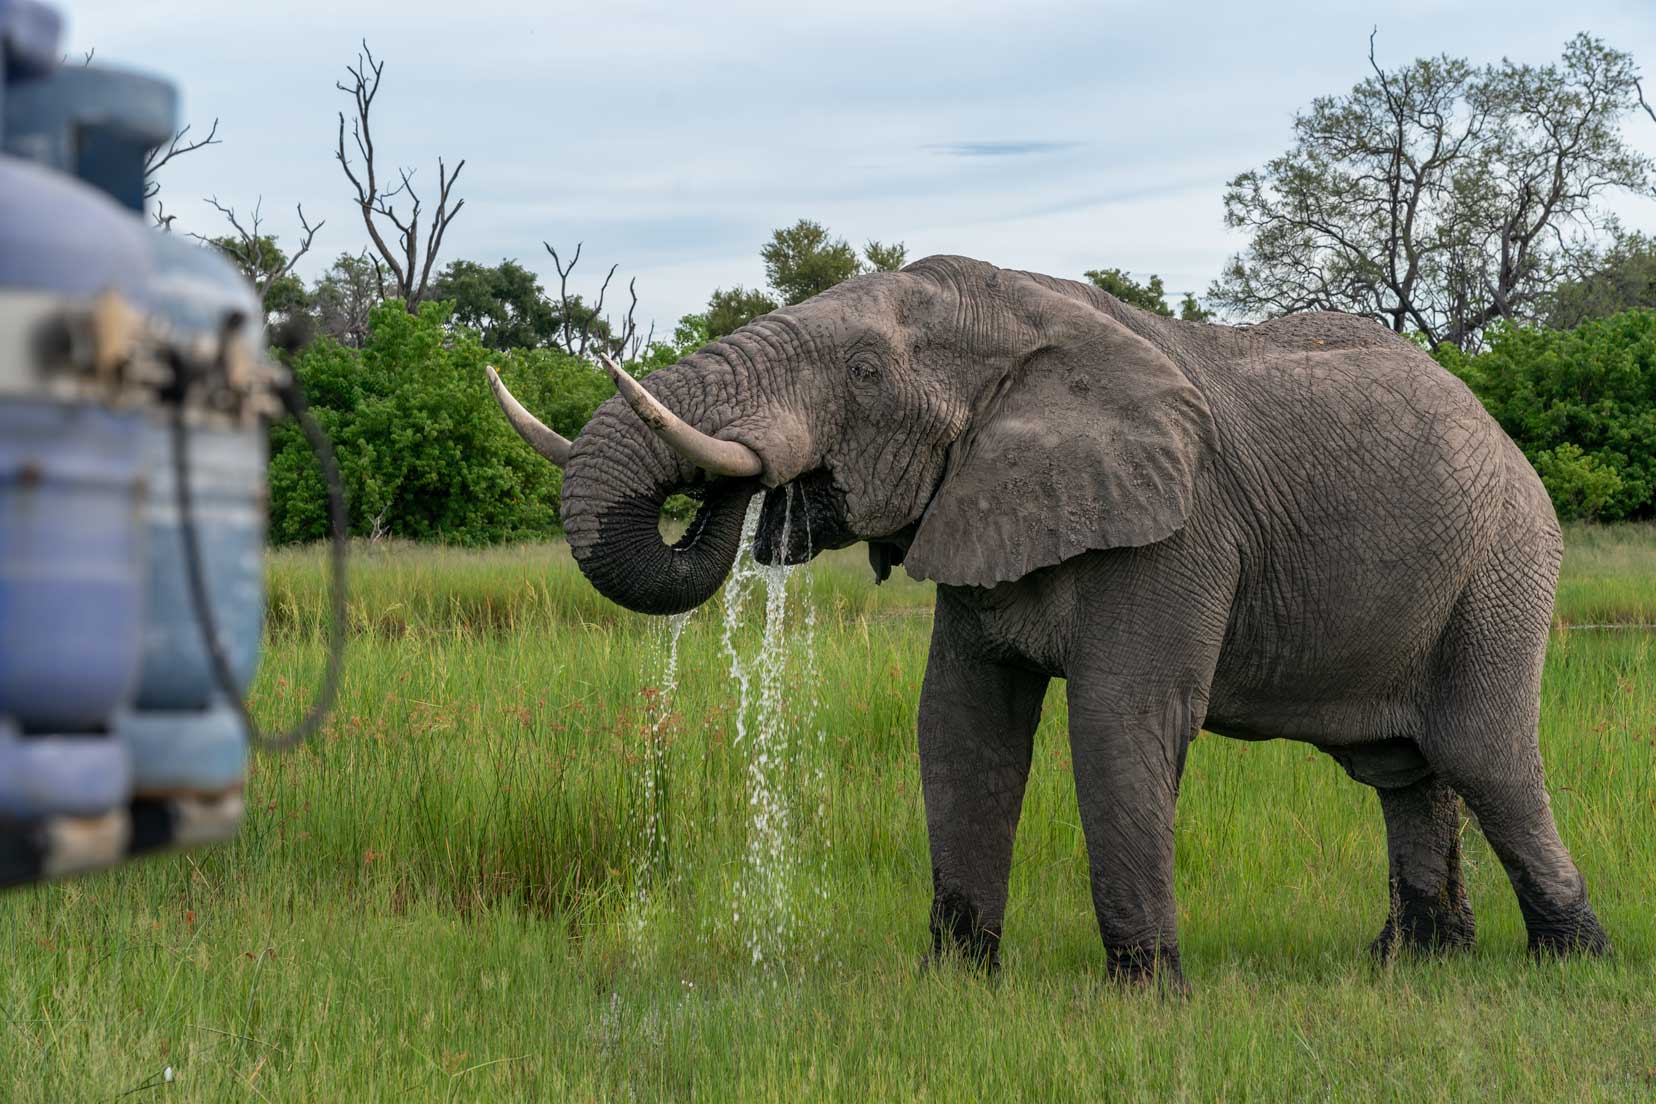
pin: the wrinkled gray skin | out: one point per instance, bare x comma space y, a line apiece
1302, 529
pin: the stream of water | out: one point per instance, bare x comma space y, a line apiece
765, 911
779, 736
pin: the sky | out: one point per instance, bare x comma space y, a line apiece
671, 138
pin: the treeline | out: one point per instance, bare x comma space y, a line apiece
427, 456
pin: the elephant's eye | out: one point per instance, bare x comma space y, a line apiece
864, 369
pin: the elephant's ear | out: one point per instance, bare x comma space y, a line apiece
1094, 441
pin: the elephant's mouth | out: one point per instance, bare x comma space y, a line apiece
800, 519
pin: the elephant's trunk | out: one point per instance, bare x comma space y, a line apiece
619, 474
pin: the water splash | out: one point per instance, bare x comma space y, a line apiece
765, 911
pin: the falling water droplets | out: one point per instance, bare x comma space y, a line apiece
775, 684
657, 845
772, 710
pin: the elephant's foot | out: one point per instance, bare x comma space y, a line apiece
1569, 931
959, 935
1426, 923
1138, 967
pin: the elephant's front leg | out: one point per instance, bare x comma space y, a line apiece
977, 728
1127, 765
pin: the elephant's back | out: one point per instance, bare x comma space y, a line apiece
1366, 421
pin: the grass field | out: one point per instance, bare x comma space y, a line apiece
454, 894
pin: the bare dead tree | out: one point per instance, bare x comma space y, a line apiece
575, 318
583, 328
631, 341
256, 253
181, 143
408, 259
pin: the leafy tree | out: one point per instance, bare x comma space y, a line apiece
1581, 403
1437, 197
504, 303
1150, 296
690, 334
802, 260
266, 266
562, 390
1191, 310
1582, 486
884, 258
1621, 278
344, 296
729, 311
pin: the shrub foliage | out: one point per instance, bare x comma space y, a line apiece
1581, 403
422, 447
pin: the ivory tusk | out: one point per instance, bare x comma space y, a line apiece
541, 437
708, 453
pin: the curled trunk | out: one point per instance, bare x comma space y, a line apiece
618, 476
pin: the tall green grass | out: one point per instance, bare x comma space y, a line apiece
445, 896
1609, 575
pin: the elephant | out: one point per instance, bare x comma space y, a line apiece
1304, 529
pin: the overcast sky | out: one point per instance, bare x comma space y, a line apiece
672, 137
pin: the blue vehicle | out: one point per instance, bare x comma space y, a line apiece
134, 390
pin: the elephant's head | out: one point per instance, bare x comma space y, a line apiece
980, 422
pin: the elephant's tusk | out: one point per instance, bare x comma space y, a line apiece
708, 453
541, 437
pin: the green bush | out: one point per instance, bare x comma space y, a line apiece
1581, 403
424, 451
1581, 486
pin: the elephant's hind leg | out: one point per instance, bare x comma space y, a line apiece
1429, 911
1482, 738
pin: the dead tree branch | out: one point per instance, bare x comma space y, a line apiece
574, 341
583, 328
158, 158
627, 342
256, 253
407, 259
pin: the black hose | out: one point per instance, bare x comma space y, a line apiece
293, 399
